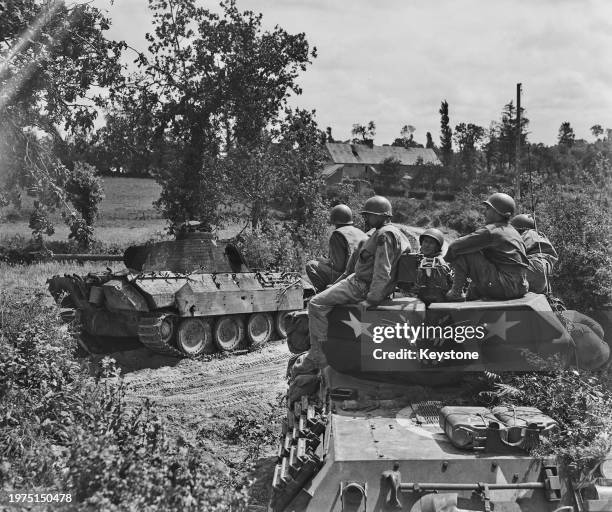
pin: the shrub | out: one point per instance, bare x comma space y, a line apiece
270, 249
404, 210
60, 429
443, 196
417, 194
254, 431
581, 230
461, 220
580, 403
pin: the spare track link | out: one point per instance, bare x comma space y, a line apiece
301, 451
149, 334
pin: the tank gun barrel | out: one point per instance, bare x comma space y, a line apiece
443, 486
87, 257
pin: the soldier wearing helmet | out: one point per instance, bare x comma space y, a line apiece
493, 257
433, 275
342, 243
431, 241
374, 278
540, 253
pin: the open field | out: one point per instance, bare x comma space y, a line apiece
129, 198
127, 216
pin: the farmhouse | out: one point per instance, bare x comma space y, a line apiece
361, 161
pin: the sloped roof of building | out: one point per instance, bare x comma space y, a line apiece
343, 153
330, 170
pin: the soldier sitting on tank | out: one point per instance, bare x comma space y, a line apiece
493, 257
434, 275
342, 243
540, 253
371, 283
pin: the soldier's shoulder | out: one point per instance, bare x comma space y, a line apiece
390, 232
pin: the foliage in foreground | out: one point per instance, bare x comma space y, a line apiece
580, 402
62, 430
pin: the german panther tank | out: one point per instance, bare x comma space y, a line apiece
188, 296
391, 422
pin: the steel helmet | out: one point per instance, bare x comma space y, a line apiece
434, 233
378, 205
502, 204
341, 214
522, 222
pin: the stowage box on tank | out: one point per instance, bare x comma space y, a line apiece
188, 296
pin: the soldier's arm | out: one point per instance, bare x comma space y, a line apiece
350, 266
338, 251
383, 266
473, 242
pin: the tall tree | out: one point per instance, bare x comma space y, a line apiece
566, 135
406, 138
430, 143
300, 182
210, 82
467, 137
507, 133
446, 135
52, 59
597, 130
364, 134
491, 148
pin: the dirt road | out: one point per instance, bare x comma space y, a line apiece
195, 394
240, 381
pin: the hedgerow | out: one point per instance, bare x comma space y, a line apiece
63, 431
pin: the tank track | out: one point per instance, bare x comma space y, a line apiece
149, 334
301, 451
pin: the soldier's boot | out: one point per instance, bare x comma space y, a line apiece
456, 293
309, 362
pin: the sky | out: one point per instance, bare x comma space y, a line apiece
393, 62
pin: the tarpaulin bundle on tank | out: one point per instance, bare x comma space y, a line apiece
591, 351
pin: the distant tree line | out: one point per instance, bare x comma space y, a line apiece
205, 113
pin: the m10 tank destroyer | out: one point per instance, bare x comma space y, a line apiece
390, 423
183, 297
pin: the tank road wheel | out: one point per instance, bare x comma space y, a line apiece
280, 324
157, 333
229, 332
194, 336
259, 328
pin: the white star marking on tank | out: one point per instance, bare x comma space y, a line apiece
499, 327
358, 327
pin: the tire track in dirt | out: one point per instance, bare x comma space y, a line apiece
239, 382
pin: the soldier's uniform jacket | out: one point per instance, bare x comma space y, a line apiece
342, 244
378, 259
536, 244
500, 243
